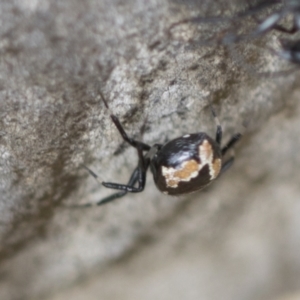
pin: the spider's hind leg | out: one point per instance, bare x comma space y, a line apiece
228, 163
219, 131
231, 143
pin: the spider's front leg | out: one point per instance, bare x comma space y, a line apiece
126, 138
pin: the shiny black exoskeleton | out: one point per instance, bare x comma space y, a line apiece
183, 165
186, 164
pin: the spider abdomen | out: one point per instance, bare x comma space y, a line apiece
186, 164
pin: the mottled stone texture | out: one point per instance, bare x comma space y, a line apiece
239, 239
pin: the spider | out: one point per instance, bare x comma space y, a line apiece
183, 165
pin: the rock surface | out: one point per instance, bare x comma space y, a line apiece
238, 239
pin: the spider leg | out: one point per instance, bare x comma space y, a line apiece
91, 173
227, 164
132, 181
141, 176
138, 175
126, 138
231, 143
219, 131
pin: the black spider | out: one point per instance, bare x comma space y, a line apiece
183, 165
